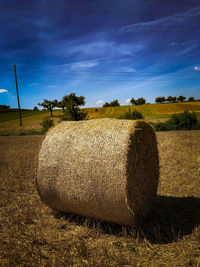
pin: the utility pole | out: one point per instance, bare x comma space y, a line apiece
20, 119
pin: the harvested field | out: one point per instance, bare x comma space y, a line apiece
32, 234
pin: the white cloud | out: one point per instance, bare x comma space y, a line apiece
196, 68
99, 102
86, 64
3, 90
128, 101
99, 48
176, 19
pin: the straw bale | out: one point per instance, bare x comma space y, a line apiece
106, 169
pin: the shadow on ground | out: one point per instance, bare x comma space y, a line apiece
170, 219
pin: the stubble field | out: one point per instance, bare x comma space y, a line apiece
34, 235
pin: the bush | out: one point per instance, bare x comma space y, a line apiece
46, 124
74, 114
181, 121
134, 115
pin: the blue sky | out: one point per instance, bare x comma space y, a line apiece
103, 50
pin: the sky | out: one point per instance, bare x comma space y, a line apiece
103, 50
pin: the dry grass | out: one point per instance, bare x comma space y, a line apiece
34, 235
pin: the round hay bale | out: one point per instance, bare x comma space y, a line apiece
106, 168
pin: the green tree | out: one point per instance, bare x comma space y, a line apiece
106, 105
158, 99
191, 98
49, 105
114, 103
4, 107
61, 105
169, 99
174, 99
36, 108
133, 101
181, 98
140, 101
163, 99
72, 111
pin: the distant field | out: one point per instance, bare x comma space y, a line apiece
150, 111
9, 122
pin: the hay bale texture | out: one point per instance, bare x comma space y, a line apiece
106, 168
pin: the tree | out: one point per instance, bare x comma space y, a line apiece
106, 105
140, 101
49, 105
61, 105
36, 108
72, 111
133, 101
174, 99
163, 99
158, 99
191, 98
181, 98
4, 107
169, 99
114, 103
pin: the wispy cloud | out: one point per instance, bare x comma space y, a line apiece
99, 48
128, 101
99, 102
128, 69
197, 68
84, 65
3, 90
176, 19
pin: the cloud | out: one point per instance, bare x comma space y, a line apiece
99, 48
128, 101
99, 102
128, 69
196, 68
3, 90
85, 65
175, 19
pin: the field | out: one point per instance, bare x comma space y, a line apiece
34, 235
9, 122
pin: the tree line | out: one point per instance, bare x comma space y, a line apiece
115, 103
173, 99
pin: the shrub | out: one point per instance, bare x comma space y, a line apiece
134, 115
74, 113
46, 124
181, 121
